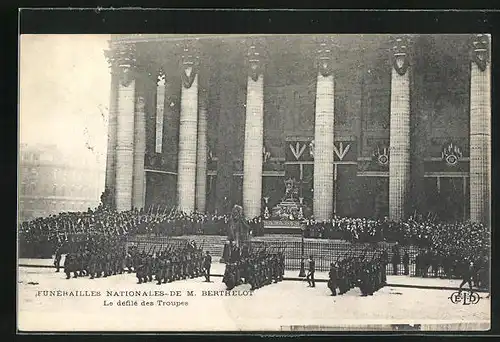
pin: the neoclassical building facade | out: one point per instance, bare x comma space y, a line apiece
366, 125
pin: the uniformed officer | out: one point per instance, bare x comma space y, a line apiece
70, 265
57, 259
467, 275
332, 281
207, 263
310, 274
159, 267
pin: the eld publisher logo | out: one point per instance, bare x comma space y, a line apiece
465, 298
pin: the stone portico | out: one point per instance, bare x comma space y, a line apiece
366, 125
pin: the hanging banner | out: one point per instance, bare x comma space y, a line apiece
303, 151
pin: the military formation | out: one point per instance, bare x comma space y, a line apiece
168, 264
95, 245
255, 267
367, 273
430, 263
40, 237
94, 256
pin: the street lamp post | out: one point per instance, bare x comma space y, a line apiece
302, 272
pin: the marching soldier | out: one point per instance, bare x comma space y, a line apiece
57, 259
364, 281
93, 264
169, 272
342, 278
85, 263
160, 268
70, 265
229, 276
332, 281
150, 261
310, 274
207, 263
140, 269
467, 276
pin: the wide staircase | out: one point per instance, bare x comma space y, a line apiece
287, 208
212, 243
282, 228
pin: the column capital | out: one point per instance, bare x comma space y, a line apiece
480, 50
400, 53
125, 62
255, 60
122, 59
160, 75
324, 58
189, 63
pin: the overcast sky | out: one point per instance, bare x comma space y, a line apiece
64, 97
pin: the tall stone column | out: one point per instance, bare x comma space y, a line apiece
138, 195
188, 130
399, 149
323, 137
480, 131
201, 156
112, 125
160, 112
123, 62
254, 136
125, 146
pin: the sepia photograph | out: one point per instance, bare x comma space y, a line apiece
254, 182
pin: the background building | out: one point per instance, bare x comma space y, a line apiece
368, 125
51, 182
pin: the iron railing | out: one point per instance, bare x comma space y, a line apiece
324, 253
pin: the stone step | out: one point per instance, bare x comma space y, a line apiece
283, 230
212, 243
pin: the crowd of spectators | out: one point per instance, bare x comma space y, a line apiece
41, 236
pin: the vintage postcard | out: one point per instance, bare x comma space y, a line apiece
283, 183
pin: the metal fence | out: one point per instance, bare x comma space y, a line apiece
324, 252
327, 252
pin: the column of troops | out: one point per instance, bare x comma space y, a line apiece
255, 267
101, 256
169, 264
95, 256
368, 274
